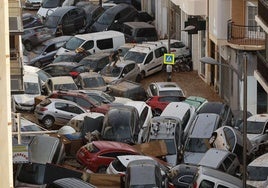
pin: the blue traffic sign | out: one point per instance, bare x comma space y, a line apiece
169, 59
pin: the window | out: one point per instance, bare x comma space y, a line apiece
143, 115
222, 186
227, 162
105, 44
88, 45
61, 106
50, 48
82, 102
206, 184
149, 58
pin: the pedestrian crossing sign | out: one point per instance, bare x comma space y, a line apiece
169, 59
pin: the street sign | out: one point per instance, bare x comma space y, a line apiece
169, 59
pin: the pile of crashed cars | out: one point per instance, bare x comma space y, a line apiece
94, 125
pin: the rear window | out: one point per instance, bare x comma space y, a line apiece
147, 32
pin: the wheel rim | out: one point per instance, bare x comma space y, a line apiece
48, 122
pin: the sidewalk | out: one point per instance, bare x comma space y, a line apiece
190, 82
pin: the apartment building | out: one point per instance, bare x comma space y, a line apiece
227, 31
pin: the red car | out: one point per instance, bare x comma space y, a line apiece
159, 103
97, 155
82, 99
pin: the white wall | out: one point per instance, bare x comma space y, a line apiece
161, 17
193, 7
219, 14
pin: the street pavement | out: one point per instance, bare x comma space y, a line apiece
190, 82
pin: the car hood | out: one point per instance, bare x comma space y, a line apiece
252, 137
24, 99
101, 88
192, 157
257, 183
110, 80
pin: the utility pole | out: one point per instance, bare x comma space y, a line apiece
5, 100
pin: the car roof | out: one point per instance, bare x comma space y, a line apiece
61, 79
112, 145
146, 47
139, 105
220, 175
258, 118
260, 161
204, 125
125, 159
180, 108
213, 157
60, 11
123, 63
117, 8
212, 107
99, 35
64, 101
97, 56
57, 39
166, 85
89, 74
139, 24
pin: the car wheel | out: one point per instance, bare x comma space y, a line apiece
48, 121
157, 112
28, 45
102, 170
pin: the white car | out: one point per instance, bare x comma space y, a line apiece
178, 48
257, 131
119, 165
145, 114
32, 88
257, 171
164, 89
149, 57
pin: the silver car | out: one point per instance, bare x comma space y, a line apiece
56, 111
123, 70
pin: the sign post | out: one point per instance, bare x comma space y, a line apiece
169, 60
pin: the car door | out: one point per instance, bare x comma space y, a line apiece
65, 111
130, 72
159, 56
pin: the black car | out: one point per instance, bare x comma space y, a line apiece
64, 69
113, 18
71, 56
93, 12
29, 20
67, 20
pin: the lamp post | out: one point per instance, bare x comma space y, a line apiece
209, 60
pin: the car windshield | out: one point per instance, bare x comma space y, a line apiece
50, 3
171, 93
106, 19
43, 75
108, 97
111, 71
253, 127
93, 82
257, 173
52, 21
199, 145
138, 57
73, 43
171, 146
118, 128
65, 86
31, 88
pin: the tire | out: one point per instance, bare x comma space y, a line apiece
48, 121
157, 112
28, 45
102, 170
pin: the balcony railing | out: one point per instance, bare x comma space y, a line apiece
263, 10
262, 65
245, 35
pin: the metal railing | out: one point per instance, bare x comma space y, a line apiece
262, 65
245, 35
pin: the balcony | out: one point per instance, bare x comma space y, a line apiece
263, 10
262, 66
245, 37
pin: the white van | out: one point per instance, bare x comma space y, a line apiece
104, 41
208, 177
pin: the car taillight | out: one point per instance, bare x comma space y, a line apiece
42, 109
74, 74
195, 185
